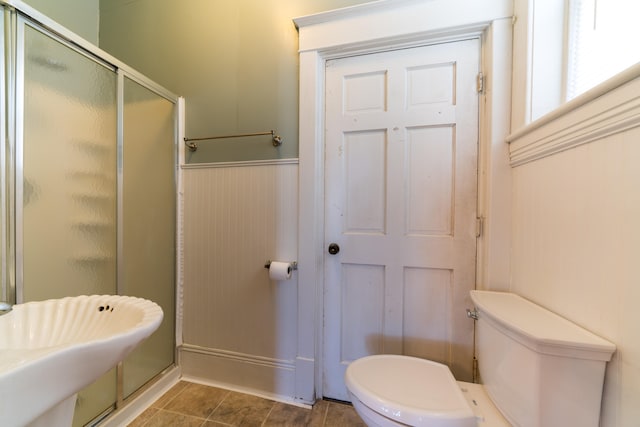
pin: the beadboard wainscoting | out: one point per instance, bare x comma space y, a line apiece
576, 239
240, 327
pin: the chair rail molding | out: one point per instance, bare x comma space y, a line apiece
607, 109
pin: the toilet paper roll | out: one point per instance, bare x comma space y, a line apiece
280, 270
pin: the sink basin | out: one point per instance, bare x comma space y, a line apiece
50, 350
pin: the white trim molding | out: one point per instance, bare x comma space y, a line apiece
267, 362
234, 370
389, 23
379, 26
608, 109
268, 162
181, 106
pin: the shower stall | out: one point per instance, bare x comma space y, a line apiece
89, 171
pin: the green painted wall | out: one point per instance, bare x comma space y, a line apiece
235, 62
79, 16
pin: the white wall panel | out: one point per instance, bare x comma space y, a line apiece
236, 218
576, 238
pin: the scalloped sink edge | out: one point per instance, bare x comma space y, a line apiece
50, 350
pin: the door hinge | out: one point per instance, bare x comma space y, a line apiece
480, 82
479, 226
475, 373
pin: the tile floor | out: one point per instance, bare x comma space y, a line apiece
195, 405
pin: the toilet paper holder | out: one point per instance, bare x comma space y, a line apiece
294, 264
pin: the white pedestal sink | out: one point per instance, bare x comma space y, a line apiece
50, 350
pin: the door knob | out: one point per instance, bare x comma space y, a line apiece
334, 248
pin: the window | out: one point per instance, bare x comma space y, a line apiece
603, 41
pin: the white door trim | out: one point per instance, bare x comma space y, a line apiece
373, 27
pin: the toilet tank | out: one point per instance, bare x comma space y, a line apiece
540, 369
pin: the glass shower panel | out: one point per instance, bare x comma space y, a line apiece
66, 183
69, 172
148, 237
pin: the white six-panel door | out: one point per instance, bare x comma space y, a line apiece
400, 184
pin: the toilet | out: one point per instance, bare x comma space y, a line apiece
536, 369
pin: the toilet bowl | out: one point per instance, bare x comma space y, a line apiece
537, 369
392, 390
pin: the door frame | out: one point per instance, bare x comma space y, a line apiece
380, 26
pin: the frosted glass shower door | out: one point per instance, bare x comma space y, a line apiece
69, 172
66, 181
148, 237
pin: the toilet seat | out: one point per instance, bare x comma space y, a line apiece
409, 390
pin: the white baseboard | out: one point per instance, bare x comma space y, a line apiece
271, 378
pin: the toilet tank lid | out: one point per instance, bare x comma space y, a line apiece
538, 328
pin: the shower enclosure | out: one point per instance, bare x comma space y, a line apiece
89, 189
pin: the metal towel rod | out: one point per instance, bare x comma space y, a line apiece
275, 139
